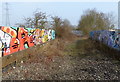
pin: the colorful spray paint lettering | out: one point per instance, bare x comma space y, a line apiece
110, 38
14, 39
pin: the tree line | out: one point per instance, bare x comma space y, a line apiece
89, 21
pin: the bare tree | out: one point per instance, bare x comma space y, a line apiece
57, 22
39, 20
29, 22
61, 27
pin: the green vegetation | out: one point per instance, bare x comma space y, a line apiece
94, 20
83, 47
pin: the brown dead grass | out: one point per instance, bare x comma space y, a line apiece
50, 49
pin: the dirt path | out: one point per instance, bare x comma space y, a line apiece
79, 60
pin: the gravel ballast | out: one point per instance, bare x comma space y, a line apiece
81, 64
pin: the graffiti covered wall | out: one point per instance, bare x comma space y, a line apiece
13, 39
110, 38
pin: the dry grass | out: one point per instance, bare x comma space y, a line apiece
50, 49
109, 51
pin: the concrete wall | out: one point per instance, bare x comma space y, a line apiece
14, 39
110, 38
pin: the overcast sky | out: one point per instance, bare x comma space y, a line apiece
66, 10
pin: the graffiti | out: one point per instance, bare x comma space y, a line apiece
110, 38
1, 48
14, 39
49, 35
37, 36
53, 34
